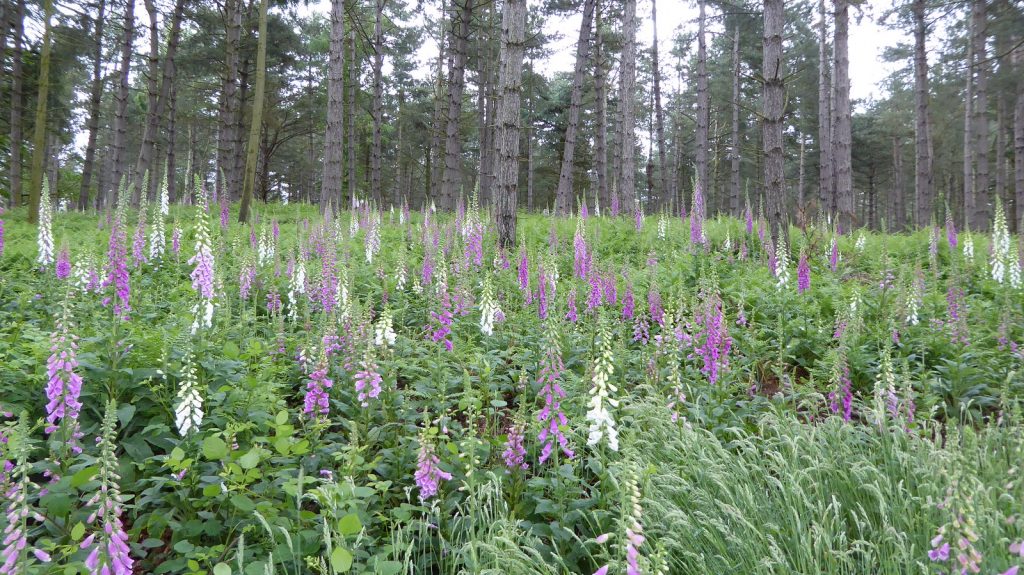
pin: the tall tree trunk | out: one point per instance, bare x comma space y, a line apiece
800, 206
1018, 138
353, 88
486, 109
378, 100
601, 95
17, 104
1001, 154
330, 187
842, 135
826, 174
627, 90
923, 176
564, 198
433, 162
659, 113
970, 198
230, 106
772, 112
252, 154
95, 99
734, 153
529, 142
510, 69
981, 132
147, 148
158, 103
39, 135
898, 200
462, 15
119, 160
170, 171
703, 105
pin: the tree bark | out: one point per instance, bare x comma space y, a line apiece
1018, 138
170, 170
659, 113
95, 99
39, 136
734, 153
229, 129
923, 176
120, 156
513, 34
627, 117
432, 186
564, 204
826, 175
703, 105
252, 154
330, 187
147, 148
601, 95
462, 15
980, 123
969, 199
353, 88
842, 121
772, 112
378, 101
17, 104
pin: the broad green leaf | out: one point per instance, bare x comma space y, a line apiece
341, 560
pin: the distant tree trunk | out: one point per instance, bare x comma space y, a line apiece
378, 101
980, 124
923, 183
433, 163
159, 92
1001, 154
601, 95
400, 160
170, 170
899, 210
17, 103
95, 99
230, 104
1018, 138
564, 204
842, 127
119, 159
330, 187
826, 175
252, 154
39, 135
703, 105
800, 179
353, 88
773, 94
734, 153
659, 113
970, 199
627, 90
513, 36
529, 143
486, 109
451, 181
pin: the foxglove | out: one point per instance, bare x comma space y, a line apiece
316, 404
551, 416
44, 233
428, 475
602, 424
489, 309
203, 277
188, 414
367, 380
64, 385
108, 544
515, 453
1001, 254
383, 330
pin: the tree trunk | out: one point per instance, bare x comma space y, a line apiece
230, 106
147, 148
432, 186
95, 99
703, 105
330, 187
1001, 155
627, 117
1018, 138
353, 88
774, 88
842, 121
252, 154
600, 94
17, 103
564, 198
800, 206
486, 109
172, 137
451, 181
529, 144
970, 199
980, 124
378, 101
510, 69
734, 153
120, 156
39, 135
659, 113
923, 177
826, 174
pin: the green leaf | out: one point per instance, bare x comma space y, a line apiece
83, 476
250, 460
231, 350
214, 448
282, 417
211, 490
387, 568
222, 569
243, 503
184, 547
78, 531
125, 413
177, 454
341, 560
350, 524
